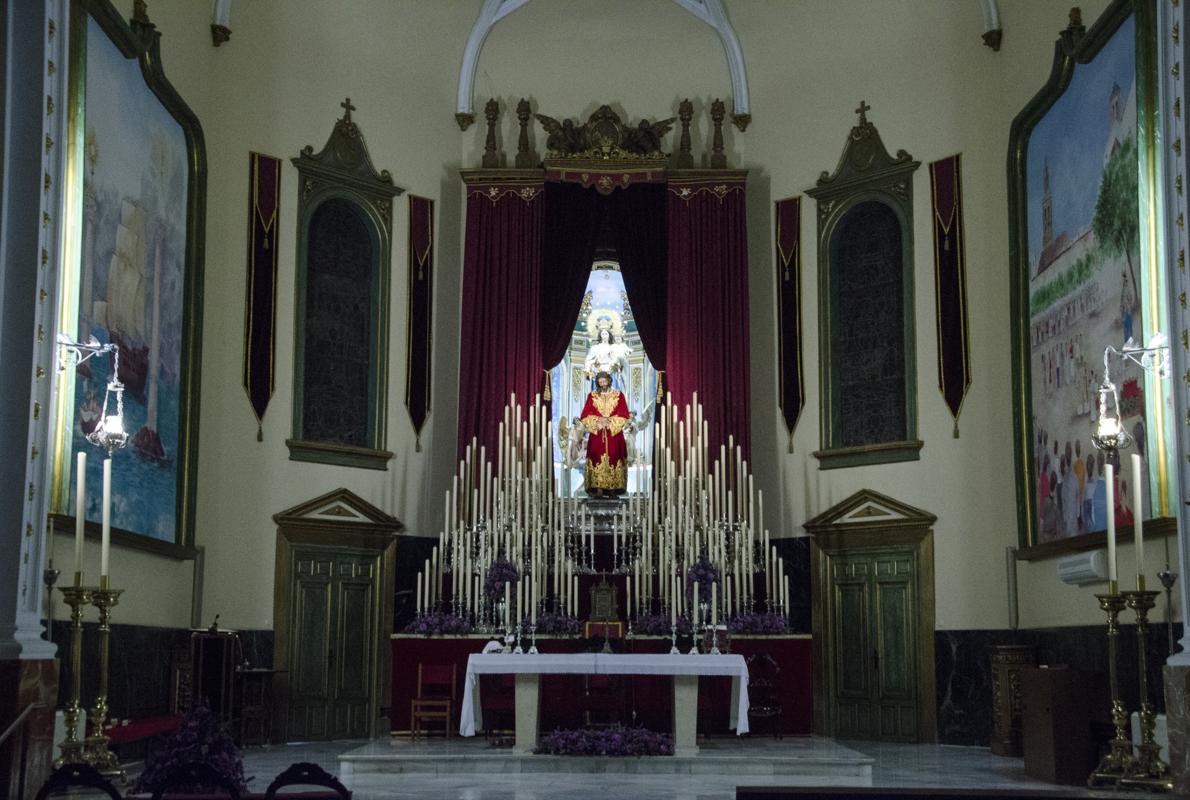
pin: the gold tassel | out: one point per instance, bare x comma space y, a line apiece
660, 381
547, 395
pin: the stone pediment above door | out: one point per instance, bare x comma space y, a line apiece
342, 509
866, 510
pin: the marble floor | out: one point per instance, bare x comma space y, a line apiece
891, 765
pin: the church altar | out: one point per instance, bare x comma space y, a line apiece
529, 669
649, 696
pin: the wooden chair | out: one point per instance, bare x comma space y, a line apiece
435, 700
70, 777
764, 691
306, 774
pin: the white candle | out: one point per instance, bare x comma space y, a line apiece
673, 605
694, 604
427, 573
105, 544
419, 609
1111, 525
434, 577
80, 516
1137, 517
714, 605
507, 602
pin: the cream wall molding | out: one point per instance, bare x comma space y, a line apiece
712, 12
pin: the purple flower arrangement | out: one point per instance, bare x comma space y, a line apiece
554, 623
766, 622
439, 623
617, 741
201, 738
658, 625
705, 574
501, 572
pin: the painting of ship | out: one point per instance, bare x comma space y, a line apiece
128, 288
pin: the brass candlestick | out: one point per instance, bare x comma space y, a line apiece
1148, 771
78, 597
98, 754
1118, 761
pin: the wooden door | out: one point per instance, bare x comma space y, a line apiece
873, 612
872, 562
333, 597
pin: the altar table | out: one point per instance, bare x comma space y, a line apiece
528, 669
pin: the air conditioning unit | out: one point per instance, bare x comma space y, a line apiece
1082, 568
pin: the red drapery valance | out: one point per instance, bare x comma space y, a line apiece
500, 349
707, 332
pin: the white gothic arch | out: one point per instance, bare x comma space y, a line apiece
712, 12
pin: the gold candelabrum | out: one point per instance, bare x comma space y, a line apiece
1119, 768
92, 749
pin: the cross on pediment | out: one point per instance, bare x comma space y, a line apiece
347, 108
863, 110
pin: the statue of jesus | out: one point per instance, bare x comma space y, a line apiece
604, 416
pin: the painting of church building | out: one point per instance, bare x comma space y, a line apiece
1084, 284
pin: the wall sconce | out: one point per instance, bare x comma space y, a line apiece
221, 22
108, 433
1108, 433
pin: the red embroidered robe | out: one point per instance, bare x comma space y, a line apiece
607, 452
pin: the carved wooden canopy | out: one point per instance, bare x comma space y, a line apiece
604, 137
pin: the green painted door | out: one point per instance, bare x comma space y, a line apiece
333, 599
874, 664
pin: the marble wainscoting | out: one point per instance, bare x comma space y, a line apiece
796, 552
1177, 701
22, 684
411, 555
963, 673
140, 680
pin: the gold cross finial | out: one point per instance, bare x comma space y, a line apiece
348, 108
863, 110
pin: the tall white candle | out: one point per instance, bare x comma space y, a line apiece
1137, 521
714, 604
1110, 477
507, 602
80, 515
105, 544
419, 582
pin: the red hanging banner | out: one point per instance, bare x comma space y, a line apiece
790, 382
950, 284
260, 305
418, 347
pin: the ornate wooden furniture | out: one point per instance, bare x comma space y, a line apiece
764, 691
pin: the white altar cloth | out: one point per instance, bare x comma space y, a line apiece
470, 715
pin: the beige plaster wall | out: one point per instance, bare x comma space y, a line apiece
934, 89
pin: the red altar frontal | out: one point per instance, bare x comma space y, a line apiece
648, 697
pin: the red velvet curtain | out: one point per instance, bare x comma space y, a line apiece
571, 224
707, 327
500, 346
638, 220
